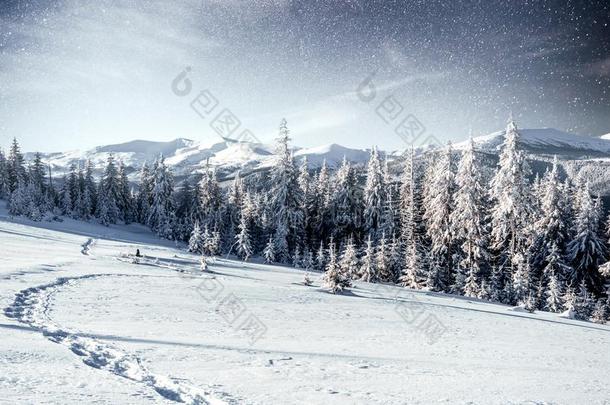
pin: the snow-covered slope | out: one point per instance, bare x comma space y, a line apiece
548, 141
81, 323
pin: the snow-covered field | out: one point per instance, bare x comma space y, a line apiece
81, 323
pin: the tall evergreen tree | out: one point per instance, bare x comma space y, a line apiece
346, 202
437, 215
587, 250
374, 194
161, 214
468, 219
109, 194
286, 197
511, 208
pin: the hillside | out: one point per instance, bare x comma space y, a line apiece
81, 324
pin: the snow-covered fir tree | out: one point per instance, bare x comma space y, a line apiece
321, 258
368, 271
554, 294
374, 194
160, 217
144, 197
346, 202
210, 200
269, 251
243, 239
468, 219
286, 197
599, 314
196, 240
383, 260
334, 279
437, 216
109, 194
511, 205
586, 251
413, 273
348, 263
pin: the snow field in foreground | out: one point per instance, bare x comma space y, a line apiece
150, 333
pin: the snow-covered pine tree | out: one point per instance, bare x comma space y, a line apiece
15, 167
184, 211
554, 294
390, 215
334, 279
243, 238
413, 273
40, 193
468, 219
346, 202
374, 194
395, 257
582, 309
286, 197
471, 286
161, 214
555, 265
66, 197
308, 260
20, 199
196, 240
569, 301
587, 251
349, 260
437, 216
109, 194
305, 184
296, 257
244, 245
307, 281
383, 260
89, 190
125, 204
496, 284
322, 191
144, 197
4, 183
210, 203
599, 314
521, 281
321, 257
269, 251
368, 271
550, 230
511, 208
214, 244
233, 208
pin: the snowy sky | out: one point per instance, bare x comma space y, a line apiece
76, 74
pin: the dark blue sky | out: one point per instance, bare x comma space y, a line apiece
75, 75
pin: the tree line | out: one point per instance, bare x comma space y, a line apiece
444, 224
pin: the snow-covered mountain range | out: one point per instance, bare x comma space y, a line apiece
187, 156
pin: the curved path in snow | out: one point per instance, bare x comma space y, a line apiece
31, 307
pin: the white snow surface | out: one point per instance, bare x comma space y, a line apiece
81, 323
